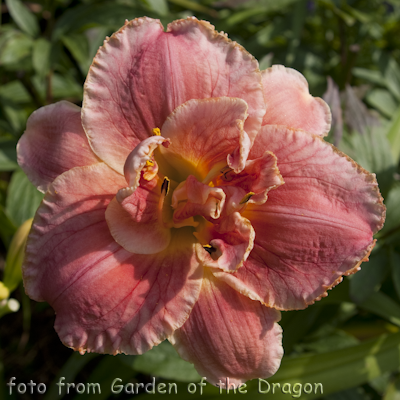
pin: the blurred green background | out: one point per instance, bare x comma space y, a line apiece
349, 51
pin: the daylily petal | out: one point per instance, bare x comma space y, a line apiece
289, 102
237, 160
230, 242
315, 228
230, 336
193, 198
141, 159
142, 74
106, 299
54, 142
258, 178
203, 134
137, 222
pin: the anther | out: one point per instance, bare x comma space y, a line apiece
209, 249
247, 198
165, 186
149, 163
226, 172
157, 131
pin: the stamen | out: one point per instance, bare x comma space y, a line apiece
141, 160
209, 249
225, 169
227, 174
165, 186
247, 198
157, 131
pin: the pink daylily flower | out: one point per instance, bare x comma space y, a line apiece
190, 199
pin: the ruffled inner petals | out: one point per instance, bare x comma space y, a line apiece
140, 162
229, 242
230, 336
203, 134
258, 178
194, 198
137, 222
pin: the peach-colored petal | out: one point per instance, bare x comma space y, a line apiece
203, 134
228, 242
106, 299
54, 142
142, 74
312, 230
141, 160
257, 179
137, 222
289, 102
230, 336
193, 198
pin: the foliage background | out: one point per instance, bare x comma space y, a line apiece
349, 51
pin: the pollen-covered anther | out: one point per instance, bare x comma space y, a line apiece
140, 160
214, 252
165, 186
247, 198
209, 249
156, 131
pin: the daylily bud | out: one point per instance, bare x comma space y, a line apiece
4, 292
15, 257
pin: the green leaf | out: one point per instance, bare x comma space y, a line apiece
164, 361
336, 371
297, 324
338, 339
7, 227
347, 18
15, 50
392, 202
23, 198
78, 46
367, 281
349, 394
266, 6
70, 369
85, 16
369, 75
15, 92
364, 18
193, 6
8, 154
23, 17
384, 306
15, 256
372, 151
16, 116
392, 76
101, 375
158, 6
63, 87
383, 101
393, 135
393, 390
41, 56
395, 266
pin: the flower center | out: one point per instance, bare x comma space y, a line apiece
211, 206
